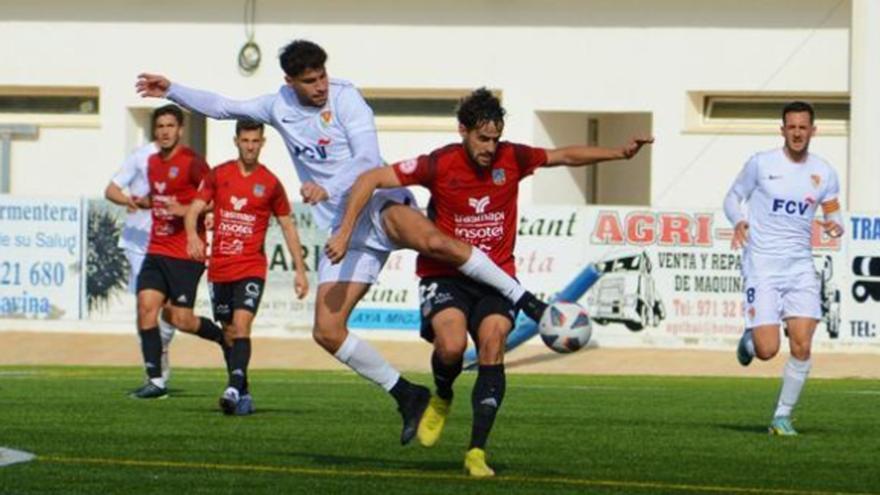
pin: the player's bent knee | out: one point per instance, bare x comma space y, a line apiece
330, 337
766, 353
450, 352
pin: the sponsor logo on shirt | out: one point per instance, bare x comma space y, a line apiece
498, 177
318, 152
792, 207
237, 203
479, 204
482, 226
160, 187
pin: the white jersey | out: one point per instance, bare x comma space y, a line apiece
330, 145
133, 176
782, 198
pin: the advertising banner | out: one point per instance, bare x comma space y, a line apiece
40, 258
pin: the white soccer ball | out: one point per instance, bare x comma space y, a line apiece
565, 327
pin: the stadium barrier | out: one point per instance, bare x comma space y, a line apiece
671, 279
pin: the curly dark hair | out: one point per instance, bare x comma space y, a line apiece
169, 109
300, 55
797, 107
478, 108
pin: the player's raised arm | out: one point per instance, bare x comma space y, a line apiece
576, 156
205, 102
361, 192
291, 238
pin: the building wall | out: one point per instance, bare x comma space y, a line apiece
577, 56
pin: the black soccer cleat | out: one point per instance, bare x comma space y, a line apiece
150, 391
411, 410
533, 307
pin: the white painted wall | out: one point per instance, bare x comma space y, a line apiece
597, 56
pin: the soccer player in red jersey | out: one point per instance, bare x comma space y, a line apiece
244, 194
168, 273
474, 188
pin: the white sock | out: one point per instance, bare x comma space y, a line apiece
793, 378
482, 269
159, 382
366, 361
166, 331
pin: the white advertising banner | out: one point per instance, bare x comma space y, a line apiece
40, 258
671, 279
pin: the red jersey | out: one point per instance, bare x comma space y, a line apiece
177, 179
477, 205
242, 207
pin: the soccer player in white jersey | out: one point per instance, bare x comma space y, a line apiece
329, 132
783, 188
132, 177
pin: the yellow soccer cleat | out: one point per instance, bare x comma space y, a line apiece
433, 421
475, 464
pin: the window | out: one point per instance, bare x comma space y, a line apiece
50, 105
415, 109
761, 113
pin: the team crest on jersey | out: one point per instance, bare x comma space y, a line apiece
259, 190
751, 312
816, 180
326, 118
408, 166
498, 177
173, 172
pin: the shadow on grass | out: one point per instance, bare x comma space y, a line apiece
378, 463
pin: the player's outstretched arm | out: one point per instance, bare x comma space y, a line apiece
361, 192
577, 156
291, 238
205, 102
195, 247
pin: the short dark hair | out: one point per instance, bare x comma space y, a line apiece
248, 125
797, 107
478, 108
300, 55
170, 109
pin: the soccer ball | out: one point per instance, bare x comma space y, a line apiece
565, 327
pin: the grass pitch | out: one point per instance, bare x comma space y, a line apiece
331, 432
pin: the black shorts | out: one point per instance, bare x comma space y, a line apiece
227, 297
176, 278
475, 300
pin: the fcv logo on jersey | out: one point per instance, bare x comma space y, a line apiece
317, 152
792, 207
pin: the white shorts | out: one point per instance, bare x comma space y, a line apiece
771, 299
370, 245
135, 261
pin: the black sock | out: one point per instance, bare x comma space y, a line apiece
151, 347
444, 375
241, 356
400, 390
531, 306
486, 400
209, 331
